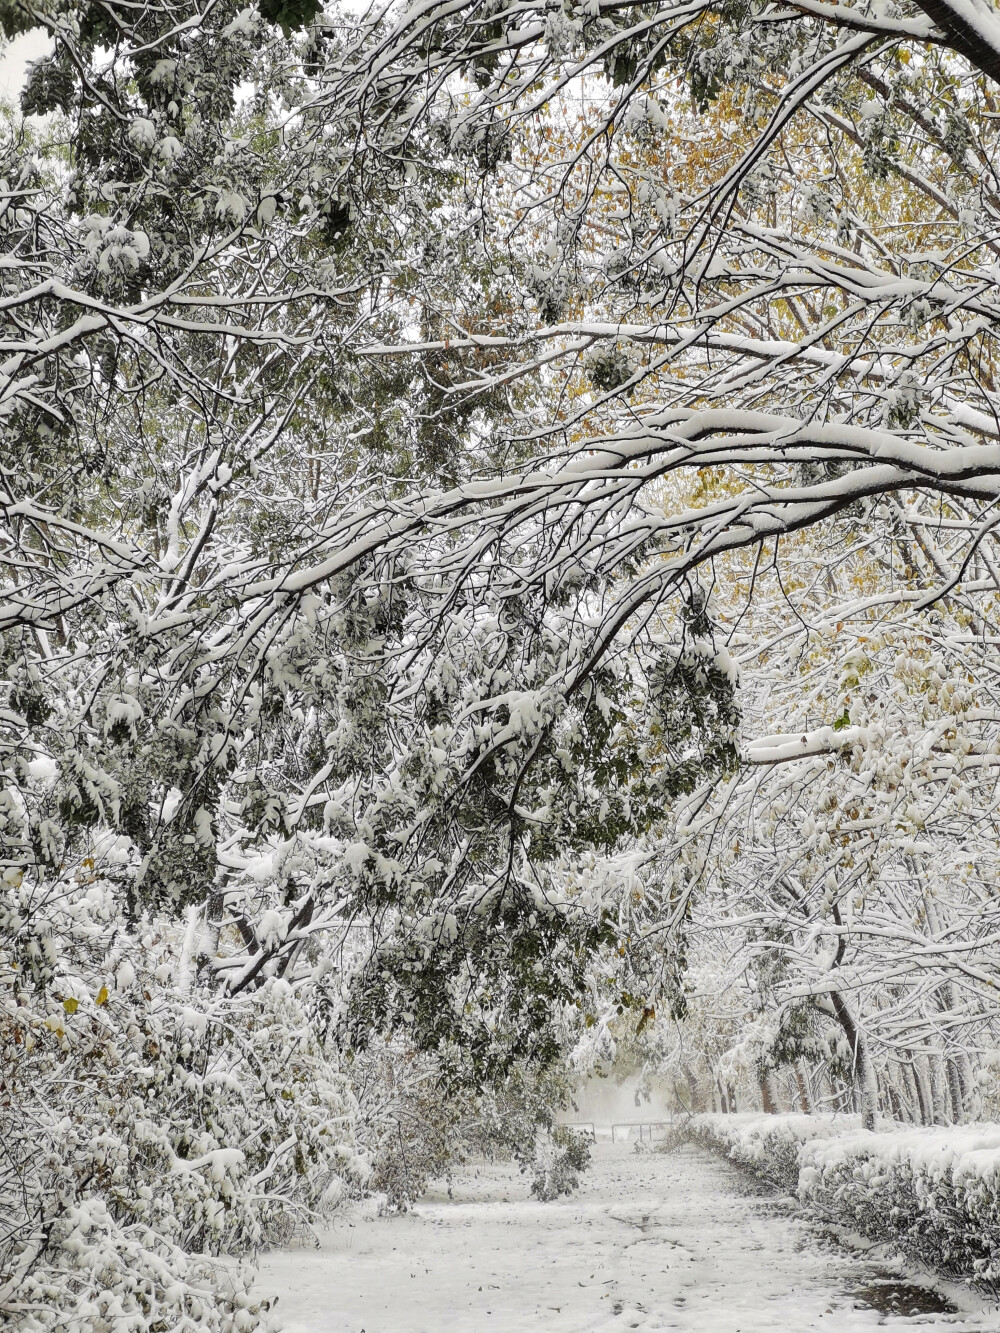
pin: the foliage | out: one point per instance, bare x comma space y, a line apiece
146, 1122
931, 1193
413, 1135
398, 411
558, 1163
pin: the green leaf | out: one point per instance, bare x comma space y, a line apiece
290, 15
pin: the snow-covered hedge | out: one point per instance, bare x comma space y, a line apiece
934, 1192
768, 1145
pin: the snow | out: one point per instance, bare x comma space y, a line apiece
961, 1150
747, 1130
783, 747
651, 1242
43, 768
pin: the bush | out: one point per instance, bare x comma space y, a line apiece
560, 1156
768, 1145
933, 1192
147, 1124
414, 1130
411, 1134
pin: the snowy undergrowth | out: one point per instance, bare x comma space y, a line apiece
932, 1192
412, 1133
149, 1125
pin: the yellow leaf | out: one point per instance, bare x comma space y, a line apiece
102, 995
71, 1006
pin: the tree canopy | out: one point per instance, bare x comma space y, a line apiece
496, 499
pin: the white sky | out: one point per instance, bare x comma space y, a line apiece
14, 57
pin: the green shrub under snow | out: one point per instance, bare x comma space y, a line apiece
768, 1145
413, 1133
147, 1125
560, 1157
933, 1192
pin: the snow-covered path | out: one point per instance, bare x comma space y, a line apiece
650, 1242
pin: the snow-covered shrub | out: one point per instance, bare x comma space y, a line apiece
560, 1156
933, 1192
768, 1145
411, 1133
415, 1127
144, 1120
95, 1275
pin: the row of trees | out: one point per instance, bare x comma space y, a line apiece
840, 892
413, 421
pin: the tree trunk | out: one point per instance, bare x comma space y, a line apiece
765, 1095
864, 1074
803, 1090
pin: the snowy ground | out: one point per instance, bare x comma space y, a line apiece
650, 1242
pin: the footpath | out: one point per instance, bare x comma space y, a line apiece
651, 1242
